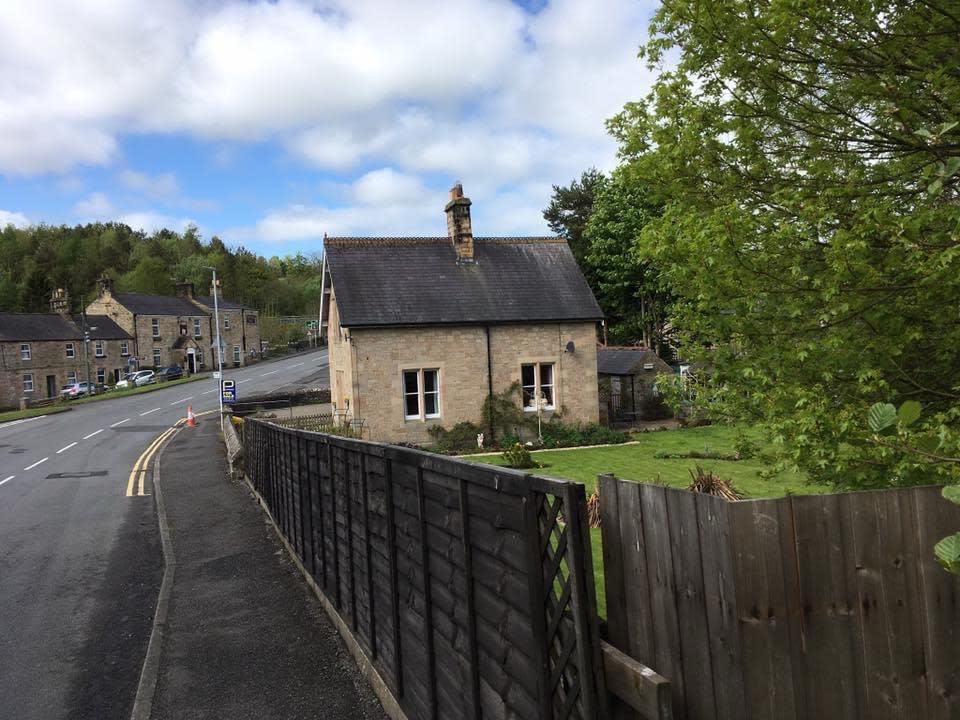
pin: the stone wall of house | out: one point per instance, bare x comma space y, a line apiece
342, 387
236, 332
460, 354
49, 358
170, 331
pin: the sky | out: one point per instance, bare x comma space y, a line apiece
272, 123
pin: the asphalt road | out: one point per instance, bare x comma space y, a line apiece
80, 559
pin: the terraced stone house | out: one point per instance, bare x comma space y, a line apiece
42, 352
423, 329
179, 330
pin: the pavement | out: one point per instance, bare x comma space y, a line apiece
243, 637
80, 557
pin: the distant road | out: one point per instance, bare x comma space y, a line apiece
80, 558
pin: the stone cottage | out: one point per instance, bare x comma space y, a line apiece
179, 330
423, 329
42, 352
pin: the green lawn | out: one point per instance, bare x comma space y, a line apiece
637, 461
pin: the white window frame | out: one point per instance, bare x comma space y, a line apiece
420, 393
28, 382
197, 331
98, 349
155, 327
538, 387
71, 376
226, 323
124, 348
157, 357
71, 351
237, 355
101, 376
25, 352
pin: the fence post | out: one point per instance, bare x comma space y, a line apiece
531, 511
427, 600
394, 578
371, 616
471, 611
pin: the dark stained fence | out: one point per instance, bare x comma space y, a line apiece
469, 587
820, 606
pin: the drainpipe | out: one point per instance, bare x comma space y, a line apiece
490, 382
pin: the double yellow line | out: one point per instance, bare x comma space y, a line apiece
140, 467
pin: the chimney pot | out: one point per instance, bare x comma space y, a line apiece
104, 287
60, 302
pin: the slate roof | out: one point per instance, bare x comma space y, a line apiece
158, 304
417, 281
27, 327
627, 360
207, 301
106, 328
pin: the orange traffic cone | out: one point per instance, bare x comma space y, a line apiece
191, 420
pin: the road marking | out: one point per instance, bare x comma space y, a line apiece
272, 372
243, 381
97, 432
177, 402
121, 422
21, 421
293, 366
149, 411
31, 467
208, 392
7, 479
139, 471
64, 449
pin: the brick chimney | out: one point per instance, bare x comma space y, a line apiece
104, 288
60, 302
185, 290
458, 224
217, 290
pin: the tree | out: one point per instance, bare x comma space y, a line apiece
570, 207
627, 285
807, 158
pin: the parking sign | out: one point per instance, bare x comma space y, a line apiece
228, 389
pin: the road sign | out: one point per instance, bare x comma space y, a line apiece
228, 389
216, 374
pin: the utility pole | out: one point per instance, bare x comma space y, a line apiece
216, 321
86, 347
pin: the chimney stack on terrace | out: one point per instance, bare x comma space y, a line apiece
458, 224
185, 290
60, 302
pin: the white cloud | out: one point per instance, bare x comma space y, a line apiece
163, 185
13, 218
149, 221
96, 206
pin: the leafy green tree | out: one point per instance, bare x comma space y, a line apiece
570, 207
807, 157
151, 275
627, 285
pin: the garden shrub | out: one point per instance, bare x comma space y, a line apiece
557, 434
460, 438
517, 456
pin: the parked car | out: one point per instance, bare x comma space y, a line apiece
174, 372
77, 389
138, 379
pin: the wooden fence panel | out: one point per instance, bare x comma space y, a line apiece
448, 575
800, 607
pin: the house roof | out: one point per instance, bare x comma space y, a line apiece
417, 281
158, 304
626, 360
102, 327
37, 326
207, 301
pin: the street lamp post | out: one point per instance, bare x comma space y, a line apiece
216, 321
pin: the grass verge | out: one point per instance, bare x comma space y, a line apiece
31, 412
139, 390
